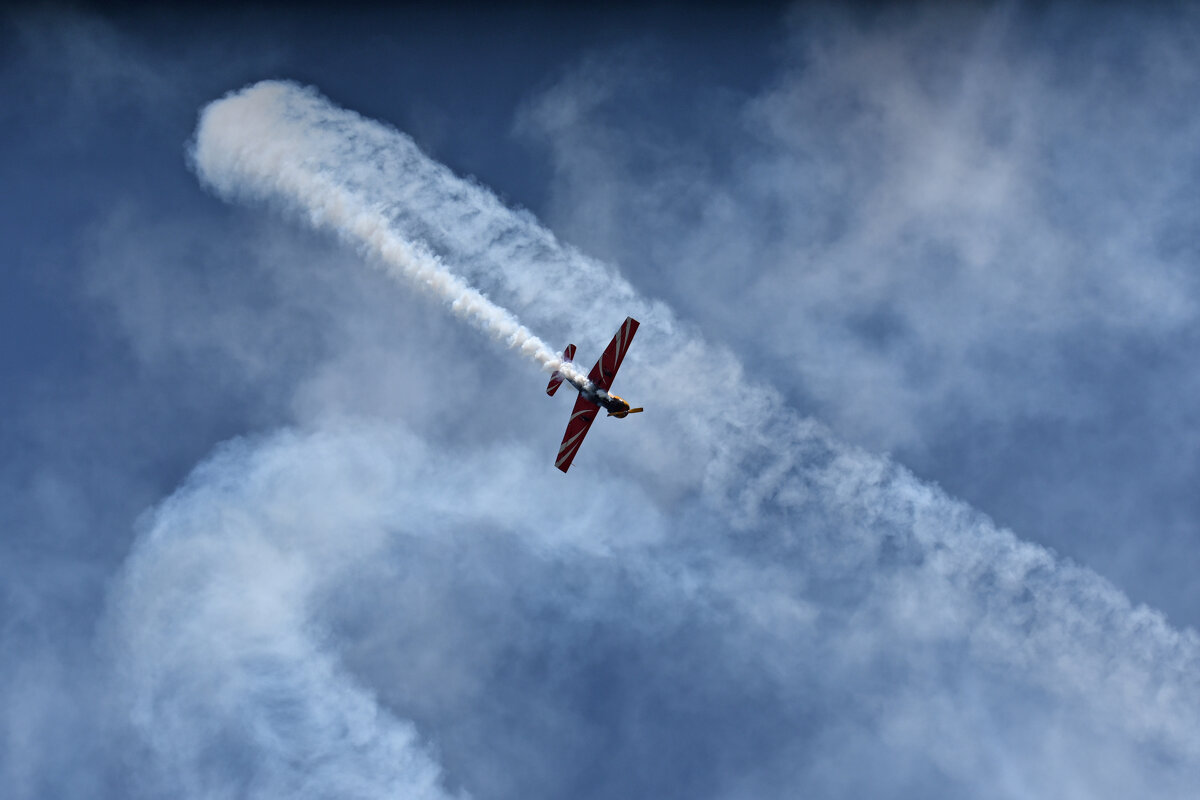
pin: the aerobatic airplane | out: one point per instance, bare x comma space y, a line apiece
594, 396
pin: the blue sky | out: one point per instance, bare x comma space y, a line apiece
911, 511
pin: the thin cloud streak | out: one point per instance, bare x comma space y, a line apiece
961, 236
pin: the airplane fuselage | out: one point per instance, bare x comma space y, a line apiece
609, 402
614, 405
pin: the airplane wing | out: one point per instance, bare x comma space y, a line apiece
606, 368
582, 416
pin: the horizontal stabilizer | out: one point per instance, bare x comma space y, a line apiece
556, 379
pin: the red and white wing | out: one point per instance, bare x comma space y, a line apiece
606, 368
582, 417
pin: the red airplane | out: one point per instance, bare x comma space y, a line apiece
594, 394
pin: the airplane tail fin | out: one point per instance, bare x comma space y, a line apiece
556, 379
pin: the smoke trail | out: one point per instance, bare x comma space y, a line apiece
260, 143
232, 691
910, 571
882, 536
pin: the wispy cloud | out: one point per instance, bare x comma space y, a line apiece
732, 559
958, 235
390, 591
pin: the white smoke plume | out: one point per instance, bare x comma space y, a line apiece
266, 142
821, 582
